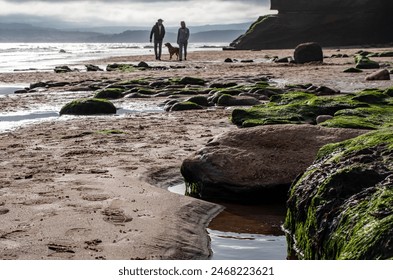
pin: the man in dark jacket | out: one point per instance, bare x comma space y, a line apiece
158, 31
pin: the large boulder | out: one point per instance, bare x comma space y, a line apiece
329, 22
308, 52
256, 164
342, 207
88, 106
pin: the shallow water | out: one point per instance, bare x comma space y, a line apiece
246, 232
33, 112
10, 89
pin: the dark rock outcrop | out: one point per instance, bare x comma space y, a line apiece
256, 164
329, 22
342, 207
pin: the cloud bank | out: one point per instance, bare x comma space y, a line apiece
137, 12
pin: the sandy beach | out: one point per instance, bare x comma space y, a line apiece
71, 190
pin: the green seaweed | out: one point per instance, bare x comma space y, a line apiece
345, 210
368, 109
121, 67
88, 106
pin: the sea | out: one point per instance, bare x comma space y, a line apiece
45, 56
42, 57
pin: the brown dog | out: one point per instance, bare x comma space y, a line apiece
172, 50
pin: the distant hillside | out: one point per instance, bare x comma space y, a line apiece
28, 34
16, 32
196, 29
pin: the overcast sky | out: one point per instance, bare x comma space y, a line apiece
133, 12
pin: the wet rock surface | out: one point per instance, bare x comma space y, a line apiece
257, 164
342, 207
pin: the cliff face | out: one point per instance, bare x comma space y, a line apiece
328, 22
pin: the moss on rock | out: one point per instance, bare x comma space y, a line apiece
191, 81
120, 67
369, 109
185, 105
110, 93
342, 207
89, 106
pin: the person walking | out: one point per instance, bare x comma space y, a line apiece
158, 31
182, 40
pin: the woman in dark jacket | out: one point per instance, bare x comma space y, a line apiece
182, 39
158, 31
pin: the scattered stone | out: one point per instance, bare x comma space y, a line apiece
323, 90
286, 59
382, 74
38, 85
120, 67
323, 118
143, 64
184, 106
223, 85
308, 52
20, 91
62, 69
110, 93
353, 70
92, 68
229, 100
192, 81
363, 62
200, 100
4, 211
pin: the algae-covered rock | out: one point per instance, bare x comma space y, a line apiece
110, 93
185, 105
342, 207
369, 109
199, 99
364, 62
89, 106
191, 81
120, 67
62, 69
229, 100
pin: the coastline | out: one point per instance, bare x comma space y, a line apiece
70, 191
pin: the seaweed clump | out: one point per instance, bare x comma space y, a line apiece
342, 207
368, 109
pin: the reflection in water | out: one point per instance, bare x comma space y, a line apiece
241, 246
246, 232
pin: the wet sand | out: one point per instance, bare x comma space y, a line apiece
69, 190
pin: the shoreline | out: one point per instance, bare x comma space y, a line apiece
71, 190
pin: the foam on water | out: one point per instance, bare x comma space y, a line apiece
45, 56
